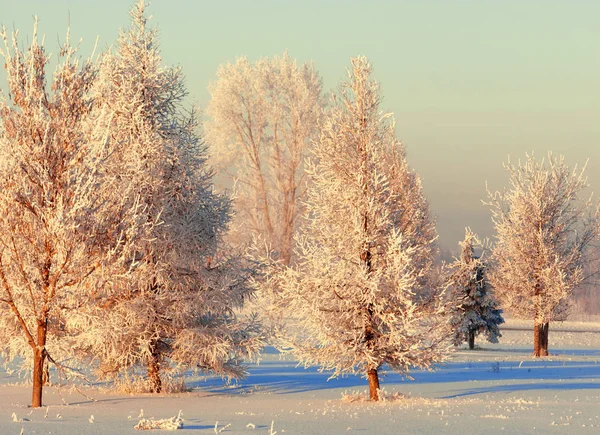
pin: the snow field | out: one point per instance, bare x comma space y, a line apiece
499, 388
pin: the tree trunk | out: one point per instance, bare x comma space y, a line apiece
38, 377
154, 370
544, 329
536, 339
373, 385
540, 339
39, 356
287, 223
265, 202
471, 340
286, 245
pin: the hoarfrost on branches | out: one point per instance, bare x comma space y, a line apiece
176, 309
172, 423
360, 295
263, 117
472, 305
63, 225
543, 230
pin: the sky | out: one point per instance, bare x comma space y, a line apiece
470, 82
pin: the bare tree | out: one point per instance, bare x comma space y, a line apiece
360, 296
543, 231
263, 117
62, 225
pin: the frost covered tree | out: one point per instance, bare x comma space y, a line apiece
177, 306
263, 117
359, 296
543, 229
62, 225
473, 307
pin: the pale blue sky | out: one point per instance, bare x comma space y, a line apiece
470, 82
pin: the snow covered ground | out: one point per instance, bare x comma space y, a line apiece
496, 389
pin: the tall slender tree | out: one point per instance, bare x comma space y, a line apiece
62, 224
360, 292
543, 230
473, 307
263, 117
177, 306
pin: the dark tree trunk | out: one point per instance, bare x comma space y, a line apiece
154, 370
544, 329
536, 340
540, 339
373, 385
471, 340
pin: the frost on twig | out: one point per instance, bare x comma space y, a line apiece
16, 419
172, 423
218, 429
359, 396
263, 118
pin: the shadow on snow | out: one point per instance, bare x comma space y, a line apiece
513, 388
286, 377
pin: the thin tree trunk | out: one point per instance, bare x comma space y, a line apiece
373, 385
265, 204
287, 235
471, 340
46, 374
365, 256
154, 370
289, 210
287, 231
544, 329
536, 339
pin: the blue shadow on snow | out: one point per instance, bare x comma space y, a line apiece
285, 377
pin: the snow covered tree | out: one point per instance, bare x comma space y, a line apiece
263, 117
359, 296
177, 306
543, 230
62, 225
473, 307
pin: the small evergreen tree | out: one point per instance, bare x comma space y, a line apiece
473, 306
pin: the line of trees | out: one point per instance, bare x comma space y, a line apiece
117, 252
